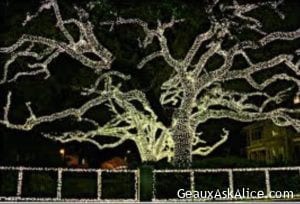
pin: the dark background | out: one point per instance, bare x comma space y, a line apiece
62, 89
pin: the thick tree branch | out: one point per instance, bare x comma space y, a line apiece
87, 43
204, 151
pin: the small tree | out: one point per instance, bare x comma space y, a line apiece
196, 93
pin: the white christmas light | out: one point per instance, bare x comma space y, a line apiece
99, 172
196, 90
60, 172
87, 43
265, 170
192, 90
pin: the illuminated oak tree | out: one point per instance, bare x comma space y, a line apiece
152, 138
196, 93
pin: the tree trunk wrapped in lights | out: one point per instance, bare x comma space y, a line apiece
193, 91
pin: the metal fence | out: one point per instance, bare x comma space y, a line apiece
59, 183
191, 172
230, 173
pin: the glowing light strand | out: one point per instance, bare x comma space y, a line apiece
186, 86
192, 88
60, 172
87, 43
145, 123
265, 170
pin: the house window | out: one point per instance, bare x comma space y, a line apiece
256, 133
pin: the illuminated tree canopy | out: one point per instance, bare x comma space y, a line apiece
196, 93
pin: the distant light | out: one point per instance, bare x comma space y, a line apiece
62, 151
297, 99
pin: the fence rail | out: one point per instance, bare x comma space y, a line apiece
99, 172
59, 182
230, 172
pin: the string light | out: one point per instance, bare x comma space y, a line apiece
87, 43
229, 172
60, 172
192, 90
196, 91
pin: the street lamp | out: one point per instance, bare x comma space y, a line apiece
297, 99
62, 154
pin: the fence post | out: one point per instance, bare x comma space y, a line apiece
267, 180
137, 184
192, 180
154, 184
20, 181
99, 184
59, 184
230, 179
